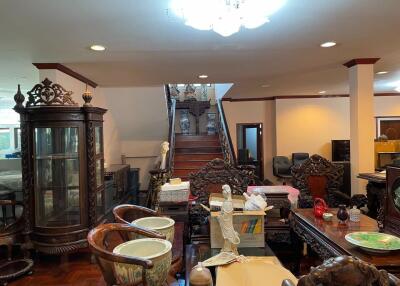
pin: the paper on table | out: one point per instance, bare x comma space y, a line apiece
254, 271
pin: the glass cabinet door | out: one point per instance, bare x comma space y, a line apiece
57, 182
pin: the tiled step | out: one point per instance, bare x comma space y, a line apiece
204, 143
197, 156
188, 149
190, 163
180, 138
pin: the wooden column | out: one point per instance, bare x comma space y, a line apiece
362, 131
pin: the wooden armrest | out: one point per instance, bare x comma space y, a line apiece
97, 235
121, 210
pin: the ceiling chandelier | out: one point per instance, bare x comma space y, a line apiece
225, 17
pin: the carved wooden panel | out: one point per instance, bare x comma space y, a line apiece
317, 166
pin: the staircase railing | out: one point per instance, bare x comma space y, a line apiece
171, 136
225, 136
160, 176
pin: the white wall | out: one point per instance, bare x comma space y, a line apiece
309, 125
142, 120
254, 112
112, 141
387, 105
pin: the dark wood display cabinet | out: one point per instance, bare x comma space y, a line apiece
62, 168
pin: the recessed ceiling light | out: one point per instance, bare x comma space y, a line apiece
97, 48
265, 85
203, 76
397, 89
322, 92
382, 72
328, 44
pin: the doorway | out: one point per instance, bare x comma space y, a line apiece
249, 146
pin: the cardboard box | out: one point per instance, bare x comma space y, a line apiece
249, 224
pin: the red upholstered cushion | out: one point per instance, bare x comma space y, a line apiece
317, 186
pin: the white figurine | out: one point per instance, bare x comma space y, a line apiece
225, 219
164, 151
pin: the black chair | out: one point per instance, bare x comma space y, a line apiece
281, 168
299, 158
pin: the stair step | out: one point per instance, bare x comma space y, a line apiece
190, 163
178, 172
189, 149
204, 143
197, 156
180, 137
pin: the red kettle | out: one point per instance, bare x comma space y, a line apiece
320, 207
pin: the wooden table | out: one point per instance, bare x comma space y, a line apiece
327, 238
196, 253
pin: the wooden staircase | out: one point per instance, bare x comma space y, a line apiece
192, 152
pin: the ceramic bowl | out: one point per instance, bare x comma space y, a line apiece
161, 224
157, 250
327, 216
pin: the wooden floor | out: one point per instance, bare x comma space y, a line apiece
51, 270
78, 270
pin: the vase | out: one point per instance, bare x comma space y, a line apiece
161, 224
200, 276
154, 249
185, 122
355, 214
342, 214
211, 125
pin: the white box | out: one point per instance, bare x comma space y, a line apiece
174, 193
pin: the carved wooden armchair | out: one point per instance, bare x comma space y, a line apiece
345, 270
125, 214
210, 179
105, 237
318, 177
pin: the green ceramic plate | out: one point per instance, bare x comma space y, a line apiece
374, 241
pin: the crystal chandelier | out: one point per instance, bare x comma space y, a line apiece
225, 17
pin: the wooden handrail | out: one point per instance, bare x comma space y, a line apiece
225, 136
171, 136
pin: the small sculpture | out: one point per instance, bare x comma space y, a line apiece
163, 152
87, 97
225, 219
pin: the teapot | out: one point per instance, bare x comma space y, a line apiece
320, 207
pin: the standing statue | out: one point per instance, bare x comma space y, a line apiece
163, 152
225, 219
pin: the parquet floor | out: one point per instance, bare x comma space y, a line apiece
51, 270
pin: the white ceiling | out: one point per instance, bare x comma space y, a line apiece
146, 46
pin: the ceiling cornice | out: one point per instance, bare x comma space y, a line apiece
361, 61
66, 70
230, 99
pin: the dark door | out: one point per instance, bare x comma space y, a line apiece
249, 146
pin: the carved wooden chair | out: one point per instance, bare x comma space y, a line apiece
125, 214
105, 237
318, 177
345, 270
210, 179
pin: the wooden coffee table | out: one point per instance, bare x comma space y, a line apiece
327, 238
199, 252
